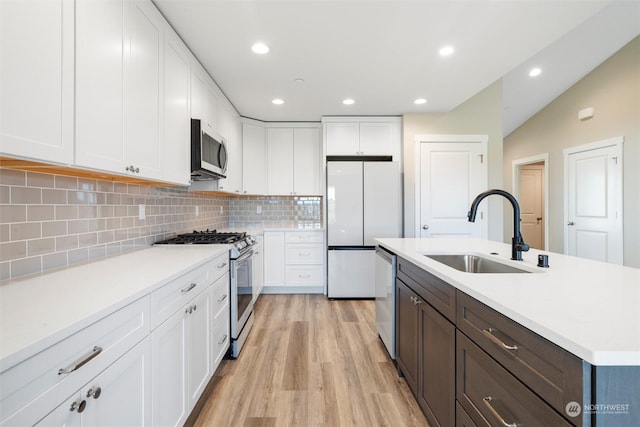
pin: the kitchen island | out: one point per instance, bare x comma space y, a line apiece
586, 309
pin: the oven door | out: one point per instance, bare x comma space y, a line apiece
241, 292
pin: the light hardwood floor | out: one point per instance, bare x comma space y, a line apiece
310, 361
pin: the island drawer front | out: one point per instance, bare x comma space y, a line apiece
552, 372
304, 237
492, 396
220, 294
175, 294
30, 389
438, 293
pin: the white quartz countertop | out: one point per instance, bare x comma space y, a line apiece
589, 308
38, 311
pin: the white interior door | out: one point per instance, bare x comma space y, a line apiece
532, 205
451, 176
594, 201
344, 204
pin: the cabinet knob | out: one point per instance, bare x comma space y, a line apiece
78, 406
425, 227
94, 392
570, 223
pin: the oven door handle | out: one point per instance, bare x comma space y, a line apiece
244, 256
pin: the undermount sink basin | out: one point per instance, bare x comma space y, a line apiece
470, 263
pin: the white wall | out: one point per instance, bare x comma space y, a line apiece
613, 90
481, 114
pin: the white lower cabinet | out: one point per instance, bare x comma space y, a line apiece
116, 397
189, 345
258, 267
293, 262
144, 364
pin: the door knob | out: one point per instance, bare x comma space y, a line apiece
425, 227
539, 218
570, 223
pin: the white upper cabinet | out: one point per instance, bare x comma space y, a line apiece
176, 136
306, 161
142, 89
118, 98
231, 130
280, 161
99, 84
380, 136
204, 99
254, 154
36, 79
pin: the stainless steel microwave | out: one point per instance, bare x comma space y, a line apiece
208, 153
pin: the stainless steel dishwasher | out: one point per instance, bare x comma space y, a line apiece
385, 273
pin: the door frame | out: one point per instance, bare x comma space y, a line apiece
516, 165
445, 138
616, 142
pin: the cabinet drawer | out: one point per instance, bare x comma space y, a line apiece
492, 396
438, 293
304, 254
303, 237
220, 266
34, 387
303, 275
175, 294
220, 294
220, 336
550, 371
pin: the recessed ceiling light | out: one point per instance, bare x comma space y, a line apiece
535, 72
348, 101
277, 101
420, 101
260, 48
446, 50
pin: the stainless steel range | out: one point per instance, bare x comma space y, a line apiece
240, 277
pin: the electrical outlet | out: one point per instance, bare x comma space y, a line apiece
197, 210
141, 211
259, 209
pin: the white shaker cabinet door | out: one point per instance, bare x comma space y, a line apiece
306, 161
36, 79
177, 124
342, 139
254, 159
375, 138
199, 358
142, 89
274, 260
99, 84
169, 394
280, 161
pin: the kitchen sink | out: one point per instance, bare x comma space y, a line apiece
470, 263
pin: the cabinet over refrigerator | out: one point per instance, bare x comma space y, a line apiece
363, 202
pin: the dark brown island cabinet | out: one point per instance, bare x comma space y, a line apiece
468, 365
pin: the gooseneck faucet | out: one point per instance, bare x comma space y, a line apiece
517, 243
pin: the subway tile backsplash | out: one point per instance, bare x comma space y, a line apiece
272, 211
49, 221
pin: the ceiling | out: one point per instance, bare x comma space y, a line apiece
384, 54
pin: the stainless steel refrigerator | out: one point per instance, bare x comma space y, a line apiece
363, 202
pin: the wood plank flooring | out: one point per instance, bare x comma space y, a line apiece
310, 361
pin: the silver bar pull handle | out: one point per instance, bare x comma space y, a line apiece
222, 298
487, 401
223, 339
489, 333
81, 362
222, 265
188, 288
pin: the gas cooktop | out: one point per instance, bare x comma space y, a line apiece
239, 241
204, 237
